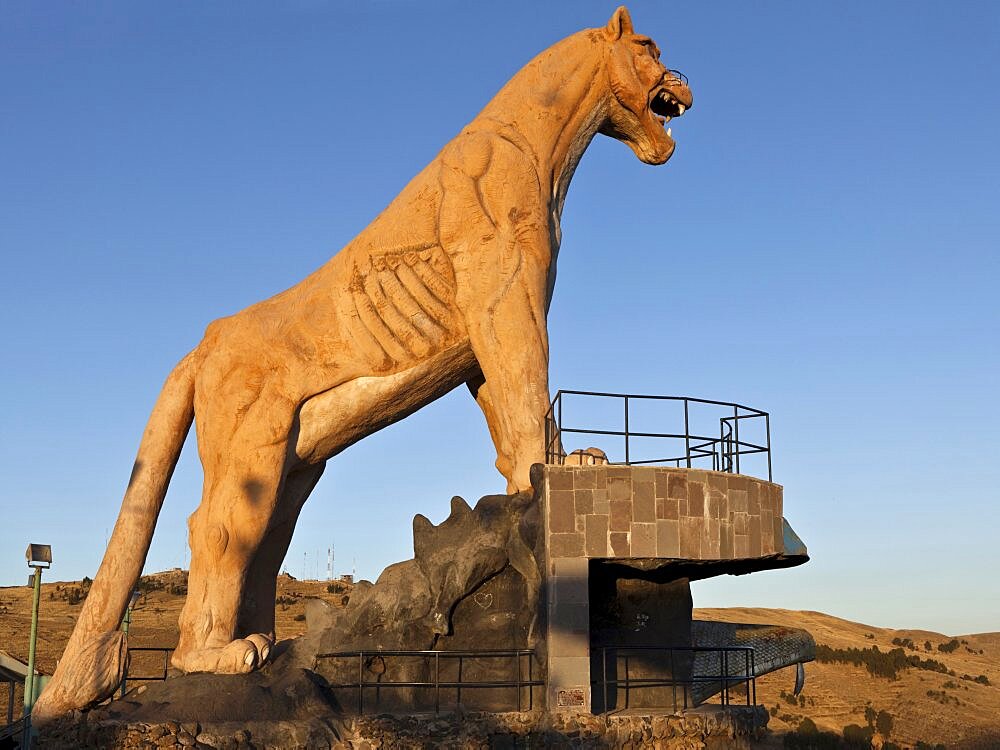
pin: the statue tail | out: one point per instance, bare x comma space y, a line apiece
94, 661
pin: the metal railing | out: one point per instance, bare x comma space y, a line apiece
690, 449
375, 662
15, 730
729, 677
166, 650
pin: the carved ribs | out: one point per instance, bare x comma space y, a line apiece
401, 305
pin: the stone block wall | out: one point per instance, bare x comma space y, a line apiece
638, 513
660, 512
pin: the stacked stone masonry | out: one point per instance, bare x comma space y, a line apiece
661, 512
734, 728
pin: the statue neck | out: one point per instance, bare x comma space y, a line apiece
552, 109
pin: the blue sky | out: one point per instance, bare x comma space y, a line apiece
821, 246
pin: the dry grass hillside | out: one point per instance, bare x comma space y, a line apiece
951, 697
154, 621
957, 707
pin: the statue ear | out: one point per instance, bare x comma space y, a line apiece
423, 534
620, 24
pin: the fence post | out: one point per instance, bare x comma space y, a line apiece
517, 658
725, 671
548, 441
687, 447
437, 683
673, 673
767, 424
361, 683
531, 680
559, 445
736, 420
746, 658
626, 431
604, 664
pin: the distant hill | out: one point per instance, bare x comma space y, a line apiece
936, 689
957, 707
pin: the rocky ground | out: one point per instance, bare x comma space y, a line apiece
953, 698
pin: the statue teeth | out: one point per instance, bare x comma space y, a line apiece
668, 132
681, 109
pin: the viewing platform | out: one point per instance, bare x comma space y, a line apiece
678, 489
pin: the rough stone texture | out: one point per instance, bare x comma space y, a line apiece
474, 584
636, 535
450, 284
708, 727
480, 580
663, 512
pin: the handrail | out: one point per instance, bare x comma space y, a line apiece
158, 677
15, 728
724, 451
519, 682
726, 678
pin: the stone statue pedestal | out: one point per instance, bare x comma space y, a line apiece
539, 610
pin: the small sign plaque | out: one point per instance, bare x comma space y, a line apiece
572, 697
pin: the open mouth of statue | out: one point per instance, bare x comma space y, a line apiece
665, 107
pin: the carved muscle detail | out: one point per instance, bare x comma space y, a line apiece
402, 305
449, 284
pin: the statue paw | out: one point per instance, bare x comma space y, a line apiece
237, 657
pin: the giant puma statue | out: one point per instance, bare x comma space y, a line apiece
450, 284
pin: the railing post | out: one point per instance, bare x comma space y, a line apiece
736, 419
604, 664
548, 441
628, 684
531, 680
725, 671
559, 445
361, 683
687, 446
437, 683
746, 659
517, 658
673, 674
626, 431
767, 424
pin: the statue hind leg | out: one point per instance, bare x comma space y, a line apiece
243, 484
256, 613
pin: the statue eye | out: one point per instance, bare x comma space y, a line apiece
649, 46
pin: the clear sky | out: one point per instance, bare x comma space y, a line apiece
823, 246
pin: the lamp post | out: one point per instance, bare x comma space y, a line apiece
125, 623
39, 557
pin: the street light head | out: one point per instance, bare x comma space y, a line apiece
39, 555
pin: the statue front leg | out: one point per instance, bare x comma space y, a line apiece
494, 226
477, 387
510, 342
